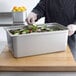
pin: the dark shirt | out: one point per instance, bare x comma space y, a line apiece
60, 11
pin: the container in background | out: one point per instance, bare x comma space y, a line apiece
19, 14
19, 17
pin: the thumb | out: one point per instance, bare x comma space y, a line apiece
32, 20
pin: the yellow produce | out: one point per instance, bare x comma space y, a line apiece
19, 9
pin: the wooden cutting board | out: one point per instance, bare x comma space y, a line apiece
59, 61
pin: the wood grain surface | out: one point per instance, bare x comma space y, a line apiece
59, 61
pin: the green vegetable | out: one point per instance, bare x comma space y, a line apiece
35, 28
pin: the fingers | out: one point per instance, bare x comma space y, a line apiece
71, 29
70, 32
31, 18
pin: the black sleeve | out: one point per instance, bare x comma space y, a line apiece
40, 9
75, 16
75, 13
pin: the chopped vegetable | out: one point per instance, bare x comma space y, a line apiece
34, 28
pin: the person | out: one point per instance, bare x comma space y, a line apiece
59, 11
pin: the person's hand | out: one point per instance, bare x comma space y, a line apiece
72, 29
31, 18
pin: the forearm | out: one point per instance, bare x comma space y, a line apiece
40, 9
